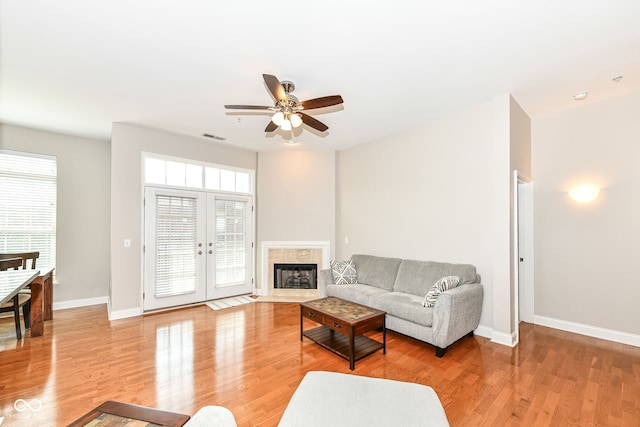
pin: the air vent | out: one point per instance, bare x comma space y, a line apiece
218, 138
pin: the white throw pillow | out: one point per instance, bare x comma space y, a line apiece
344, 272
440, 286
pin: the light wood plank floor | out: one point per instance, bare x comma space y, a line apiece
250, 359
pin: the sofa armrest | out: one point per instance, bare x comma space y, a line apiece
326, 278
457, 312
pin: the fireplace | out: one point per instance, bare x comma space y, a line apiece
316, 253
295, 276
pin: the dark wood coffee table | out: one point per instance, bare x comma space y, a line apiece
117, 413
350, 320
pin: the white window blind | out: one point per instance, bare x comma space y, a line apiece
231, 242
28, 205
176, 245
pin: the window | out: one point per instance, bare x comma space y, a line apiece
28, 205
190, 174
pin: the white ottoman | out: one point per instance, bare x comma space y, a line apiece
333, 399
212, 416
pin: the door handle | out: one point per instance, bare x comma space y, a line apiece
199, 252
210, 251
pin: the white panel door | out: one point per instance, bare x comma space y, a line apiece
174, 253
229, 246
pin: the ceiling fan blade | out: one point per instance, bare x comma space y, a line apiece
271, 127
248, 107
275, 87
325, 101
316, 124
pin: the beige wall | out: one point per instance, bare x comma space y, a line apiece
82, 267
586, 254
520, 155
295, 197
425, 194
127, 144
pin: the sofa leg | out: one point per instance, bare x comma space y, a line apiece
440, 351
470, 334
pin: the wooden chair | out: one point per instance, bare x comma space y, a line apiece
20, 300
25, 257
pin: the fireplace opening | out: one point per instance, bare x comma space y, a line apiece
295, 276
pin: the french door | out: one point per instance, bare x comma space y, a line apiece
198, 246
229, 246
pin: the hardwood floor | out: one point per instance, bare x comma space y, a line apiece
250, 360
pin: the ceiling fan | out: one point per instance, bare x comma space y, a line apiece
288, 109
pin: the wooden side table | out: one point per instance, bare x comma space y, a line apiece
119, 412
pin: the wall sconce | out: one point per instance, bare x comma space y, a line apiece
584, 193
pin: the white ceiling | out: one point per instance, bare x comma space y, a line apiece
76, 66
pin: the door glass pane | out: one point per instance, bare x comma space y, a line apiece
231, 242
176, 245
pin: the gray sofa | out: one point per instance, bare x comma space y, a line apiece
398, 286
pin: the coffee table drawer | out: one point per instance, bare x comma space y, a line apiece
336, 324
312, 314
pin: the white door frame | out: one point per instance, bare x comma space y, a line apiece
523, 249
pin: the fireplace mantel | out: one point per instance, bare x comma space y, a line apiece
291, 251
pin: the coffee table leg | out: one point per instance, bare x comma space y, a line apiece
352, 349
301, 322
384, 335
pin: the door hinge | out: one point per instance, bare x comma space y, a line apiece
252, 244
251, 208
144, 248
143, 295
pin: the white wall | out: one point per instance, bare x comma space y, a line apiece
82, 266
426, 194
295, 197
586, 255
128, 141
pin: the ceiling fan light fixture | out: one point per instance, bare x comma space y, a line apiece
286, 125
296, 120
278, 118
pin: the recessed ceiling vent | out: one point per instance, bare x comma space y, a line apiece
218, 138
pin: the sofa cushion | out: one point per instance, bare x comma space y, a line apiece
357, 293
377, 271
440, 286
417, 277
344, 272
404, 306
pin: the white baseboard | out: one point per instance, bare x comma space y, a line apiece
510, 340
79, 303
484, 331
123, 314
591, 331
